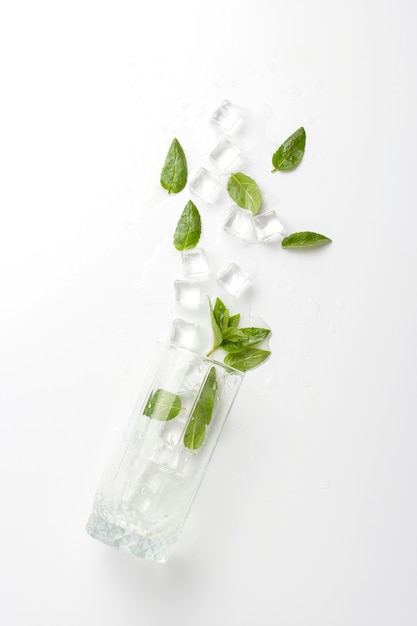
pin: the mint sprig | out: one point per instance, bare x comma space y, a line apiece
236, 341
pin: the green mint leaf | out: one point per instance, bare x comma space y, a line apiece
174, 171
291, 152
217, 333
221, 313
305, 239
248, 359
201, 416
245, 192
232, 335
162, 405
250, 337
188, 231
234, 321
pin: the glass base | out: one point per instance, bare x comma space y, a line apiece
129, 541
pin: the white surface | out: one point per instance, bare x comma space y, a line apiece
308, 514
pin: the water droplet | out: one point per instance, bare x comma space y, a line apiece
325, 485
131, 65
239, 425
308, 349
144, 491
319, 85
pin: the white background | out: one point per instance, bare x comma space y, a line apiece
307, 515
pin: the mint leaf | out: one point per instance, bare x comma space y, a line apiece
221, 313
234, 321
201, 416
248, 359
162, 405
245, 192
188, 231
291, 152
174, 171
250, 337
305, 239
232, 334
217, 333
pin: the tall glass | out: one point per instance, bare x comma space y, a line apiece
145, 494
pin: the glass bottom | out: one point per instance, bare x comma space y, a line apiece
128, 541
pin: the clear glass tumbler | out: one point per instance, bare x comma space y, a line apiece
145, 494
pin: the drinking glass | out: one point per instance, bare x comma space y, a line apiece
145, 494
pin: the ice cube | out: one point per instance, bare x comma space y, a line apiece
172, 459
194, 263
183, 333
239, 222
225, 155
233, 279
187, 293
194, 376
172, 432
267, 226
227, 116
203, 184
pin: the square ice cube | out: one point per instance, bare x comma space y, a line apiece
267, 226
239, 222
203, 184
172, 458
233, 279
183, 333
187, 293
194, 263
225, 155
227, 116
